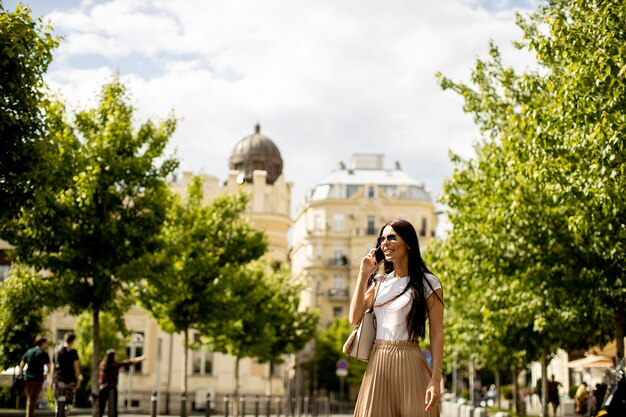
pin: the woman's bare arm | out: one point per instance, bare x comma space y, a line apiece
362, 299
435, 328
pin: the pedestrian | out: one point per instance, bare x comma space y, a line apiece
553, 394
398, 380
66, 375
582, 399
35, 374
599, 394
107, 377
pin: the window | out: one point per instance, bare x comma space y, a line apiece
371, 191
4, 271
339, 221
318, 250
60, 337
317, 223
135, 348
351, 189
390, 190
338, 312
275, 370
201, 359
339, 282
338, 256
423, 229
371, 225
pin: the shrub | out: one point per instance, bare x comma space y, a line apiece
465, 394
507, 392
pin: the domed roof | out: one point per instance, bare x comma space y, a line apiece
256, 152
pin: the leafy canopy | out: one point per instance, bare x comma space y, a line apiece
26, 46
535, 254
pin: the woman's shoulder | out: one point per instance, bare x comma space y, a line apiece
381, 276
432, 280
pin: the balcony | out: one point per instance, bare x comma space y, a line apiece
338, 261
338, 293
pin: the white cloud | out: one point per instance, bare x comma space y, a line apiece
324, 78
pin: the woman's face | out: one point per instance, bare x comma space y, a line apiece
392, 245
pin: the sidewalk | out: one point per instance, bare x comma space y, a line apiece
87, 413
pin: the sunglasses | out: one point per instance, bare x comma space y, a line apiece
391, 238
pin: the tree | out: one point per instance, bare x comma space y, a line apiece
23, 299
328, 352
203, 246
538, 214
26, 46
273, 328
90, 233
582, 130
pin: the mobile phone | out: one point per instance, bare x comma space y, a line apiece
380, 256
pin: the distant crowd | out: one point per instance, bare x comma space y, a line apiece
36, 366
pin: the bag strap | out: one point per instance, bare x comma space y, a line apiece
386, 302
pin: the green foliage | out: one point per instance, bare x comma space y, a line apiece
535, 258
26, 46
112, 336
572, 391
23, 296
9, 400
329, 350
507, 392
202, 246
48, 395
273, 327
90, 234
465, 394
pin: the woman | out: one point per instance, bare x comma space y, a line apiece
108, 375
398, 380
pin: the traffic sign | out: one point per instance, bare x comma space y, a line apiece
341, 372
342, 364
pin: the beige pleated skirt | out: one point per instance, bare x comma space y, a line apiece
395, 381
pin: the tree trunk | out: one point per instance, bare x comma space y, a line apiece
472, 381
236, 396
268, 387
498, 396
95, 389
183, 401
169, 375
544, 381
619, 331
515, 388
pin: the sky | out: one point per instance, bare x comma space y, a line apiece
324, 78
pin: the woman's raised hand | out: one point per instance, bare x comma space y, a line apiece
368, 263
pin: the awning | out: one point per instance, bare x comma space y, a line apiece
591, 361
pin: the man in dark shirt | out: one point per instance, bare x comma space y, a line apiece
66, 378
37, 359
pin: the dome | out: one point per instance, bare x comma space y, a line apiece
256, 152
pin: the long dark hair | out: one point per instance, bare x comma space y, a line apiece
107, 365
416, 320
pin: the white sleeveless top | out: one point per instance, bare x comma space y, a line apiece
391, 319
